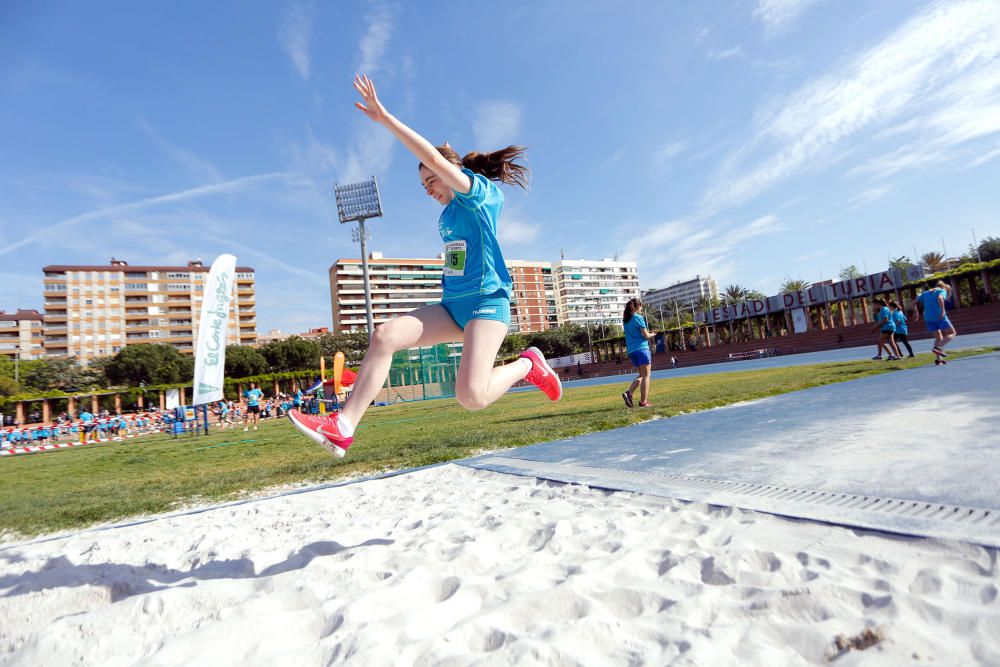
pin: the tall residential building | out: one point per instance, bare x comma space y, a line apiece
533, 304
397, 287
684, 293
401, 285
94, 311
594, 290
21, 331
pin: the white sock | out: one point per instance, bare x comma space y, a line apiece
345, 426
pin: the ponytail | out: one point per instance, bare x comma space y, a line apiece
500, 166
630, 308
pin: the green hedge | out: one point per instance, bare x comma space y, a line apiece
130, 394
960, 271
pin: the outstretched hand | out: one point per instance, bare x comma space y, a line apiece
371, 107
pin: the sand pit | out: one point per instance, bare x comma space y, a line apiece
453, 566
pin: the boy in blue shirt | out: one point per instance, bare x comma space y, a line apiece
253, 396
931, 301
902, 330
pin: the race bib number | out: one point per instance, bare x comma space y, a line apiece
454, 258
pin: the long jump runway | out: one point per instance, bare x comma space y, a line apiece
914, 452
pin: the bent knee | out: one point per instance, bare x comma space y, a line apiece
385, 337
472, 400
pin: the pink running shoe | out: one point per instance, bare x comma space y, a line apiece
541, 375
322, 430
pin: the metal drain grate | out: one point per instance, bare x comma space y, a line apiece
911, 517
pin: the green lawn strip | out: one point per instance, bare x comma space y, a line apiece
68, 489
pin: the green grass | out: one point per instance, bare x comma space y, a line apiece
77, 487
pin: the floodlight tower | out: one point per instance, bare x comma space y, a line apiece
360, 201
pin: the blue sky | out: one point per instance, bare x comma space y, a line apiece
752, 140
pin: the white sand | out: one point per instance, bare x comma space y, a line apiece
455, 566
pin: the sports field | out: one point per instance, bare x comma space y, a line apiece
72, 488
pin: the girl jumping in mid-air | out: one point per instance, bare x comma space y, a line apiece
637, 339
475, 308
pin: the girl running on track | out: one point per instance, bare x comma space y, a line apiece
475, 308
637, 344
886, 328
902, 330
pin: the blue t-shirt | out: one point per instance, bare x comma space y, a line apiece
298, 398
473, 262
253, 397
885, 316
634, 340
86, 417
932, 307
899, 319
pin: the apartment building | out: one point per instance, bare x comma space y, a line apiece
594, 290
94, 311
683, 293
22, 331
397, 287
533, 304
401, 285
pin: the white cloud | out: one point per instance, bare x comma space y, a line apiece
59, 229
371, 154
870, 195
947, 55
372, 47
668, 151
726, 54
776, 15
679, 249
200, 169
810, 255
513, 231
497, 124
295, 34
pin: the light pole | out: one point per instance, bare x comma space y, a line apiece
360, 201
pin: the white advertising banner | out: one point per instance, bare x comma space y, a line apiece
210, 351
799, 320
571, 360
173, 398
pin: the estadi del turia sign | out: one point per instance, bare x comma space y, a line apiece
816, 295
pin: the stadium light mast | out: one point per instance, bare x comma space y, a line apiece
359, 202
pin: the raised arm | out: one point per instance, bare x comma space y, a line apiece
422, 149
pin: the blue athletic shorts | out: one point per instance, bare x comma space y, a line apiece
640, 358
494, 306
939, 325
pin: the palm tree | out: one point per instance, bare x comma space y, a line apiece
793, 285
704, 303
734, 293
934, 261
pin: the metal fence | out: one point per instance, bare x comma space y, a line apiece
422, 373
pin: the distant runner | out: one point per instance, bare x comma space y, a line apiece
253, 396
902, 330
936, 317
884, 325
637, 344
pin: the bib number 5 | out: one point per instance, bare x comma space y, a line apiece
454, 258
